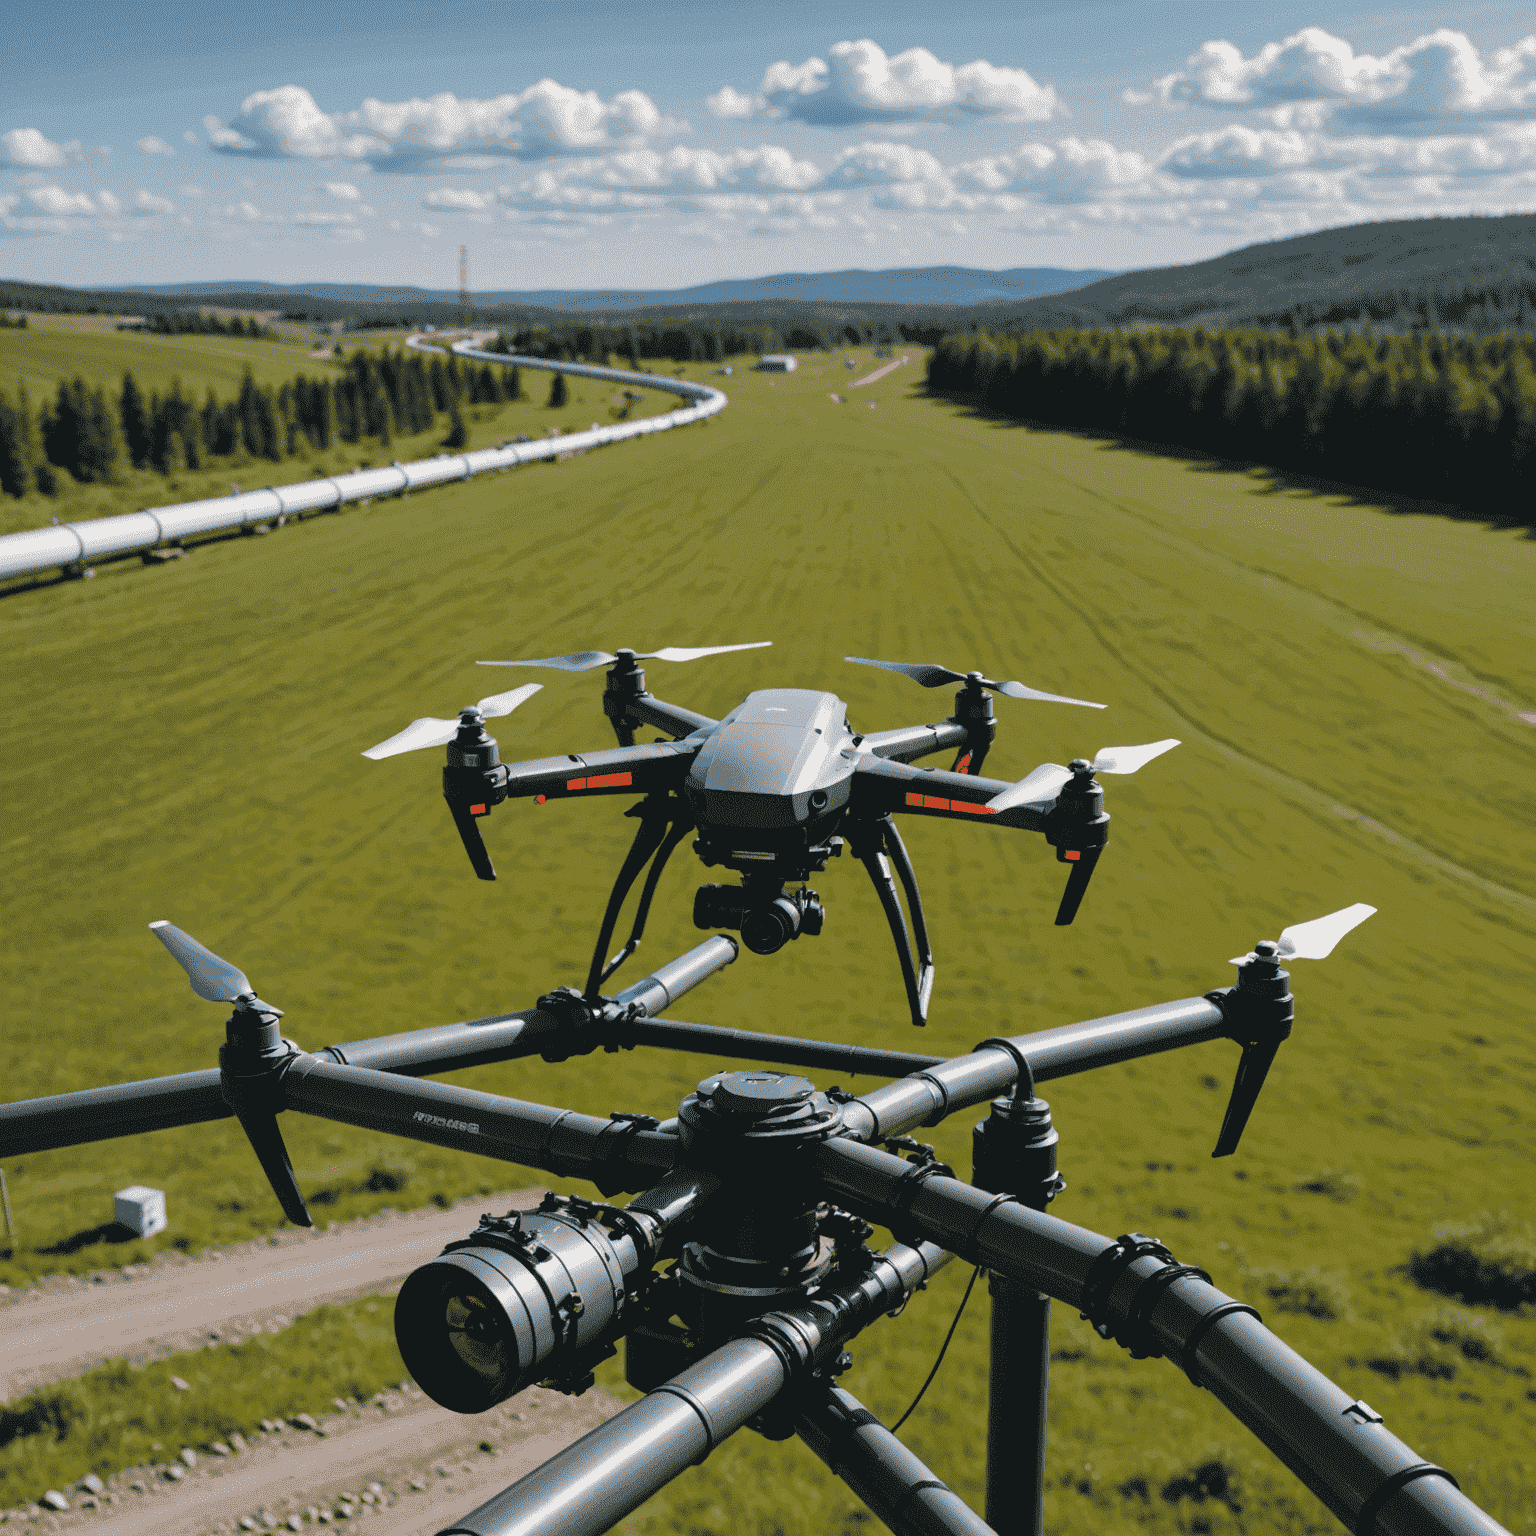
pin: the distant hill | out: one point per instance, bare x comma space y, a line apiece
901, 285
1479, 273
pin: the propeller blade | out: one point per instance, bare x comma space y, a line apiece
1020, 691
1315, 940
928, 674
1252, 1068
684, 653
499, 704
426, 732
1077, 886
1043, 784
1129, 759
577, 661
211, 978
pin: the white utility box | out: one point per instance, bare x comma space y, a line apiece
140, 1209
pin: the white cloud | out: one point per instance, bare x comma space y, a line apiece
903, 177
326, 216
343, 191
8, 200
190, 190
1240, 151
862, 84
150, 145
190, 137
148, 203
548, 119
109, 204
727, 102
59, 203
1438, 78
459, 200
246, 213
28, 149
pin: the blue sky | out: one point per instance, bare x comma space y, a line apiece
654, 146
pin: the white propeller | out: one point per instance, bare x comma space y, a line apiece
1045, 783
429, 732
1315, 940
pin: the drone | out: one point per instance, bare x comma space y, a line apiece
774, 791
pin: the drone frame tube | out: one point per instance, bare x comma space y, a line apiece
900, 1491
1337, 1446
119, 1109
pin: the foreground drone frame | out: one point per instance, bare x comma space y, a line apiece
774, 791
757, 1197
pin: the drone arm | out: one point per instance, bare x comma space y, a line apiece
671, 718
882, 788
122, 1109
912, 741
617, 771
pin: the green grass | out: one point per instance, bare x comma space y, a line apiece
1346, 681
38, 357
115, 1416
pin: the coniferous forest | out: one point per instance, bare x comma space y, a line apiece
85, 432
1430, 416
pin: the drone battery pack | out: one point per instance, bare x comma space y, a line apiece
140, 1209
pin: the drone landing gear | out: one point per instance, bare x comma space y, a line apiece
878, 845
664, 822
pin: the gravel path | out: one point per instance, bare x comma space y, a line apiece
65, 1325
879, 373
399, 1465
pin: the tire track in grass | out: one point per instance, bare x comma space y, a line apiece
1305, 795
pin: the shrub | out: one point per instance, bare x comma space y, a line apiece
1488, 1261
1310, 1292
1339, 1184
1439, 1343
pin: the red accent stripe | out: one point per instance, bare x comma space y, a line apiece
538, 799
575, 783
935, 803
970, 807
914, 799
963, 764
477, 810
1073, 855
610, 780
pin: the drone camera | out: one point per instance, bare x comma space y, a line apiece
768, 919
526, 1298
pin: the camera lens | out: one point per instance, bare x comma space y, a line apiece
767, 929
475, 1336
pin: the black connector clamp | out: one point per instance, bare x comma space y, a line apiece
1132, 1330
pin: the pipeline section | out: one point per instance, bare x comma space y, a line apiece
72, 546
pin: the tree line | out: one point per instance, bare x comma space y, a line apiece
699, 341
193, 322
1448, 418
81, 430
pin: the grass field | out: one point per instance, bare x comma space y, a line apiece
1351, 686
55, 347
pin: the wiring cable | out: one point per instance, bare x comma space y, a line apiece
943, 1348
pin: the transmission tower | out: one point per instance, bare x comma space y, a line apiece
463, 285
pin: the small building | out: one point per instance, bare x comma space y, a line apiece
776, 362
133, 323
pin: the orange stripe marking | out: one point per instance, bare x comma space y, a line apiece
914, 799
970, 807
610, 780
575, 783
477, 810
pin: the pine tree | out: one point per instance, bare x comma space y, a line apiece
557, 392
457, 435
136, 422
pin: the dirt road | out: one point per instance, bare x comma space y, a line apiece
401, 1464
879, 373
65, 1326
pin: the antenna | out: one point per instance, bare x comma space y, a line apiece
464, 285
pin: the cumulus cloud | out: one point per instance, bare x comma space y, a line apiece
859, 83
1240, 151
326, 217
150, 145
459, 200
109, 204
59, 203
546, 120
190, 190
145, 202
28, 149
342, 191
1437, 79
